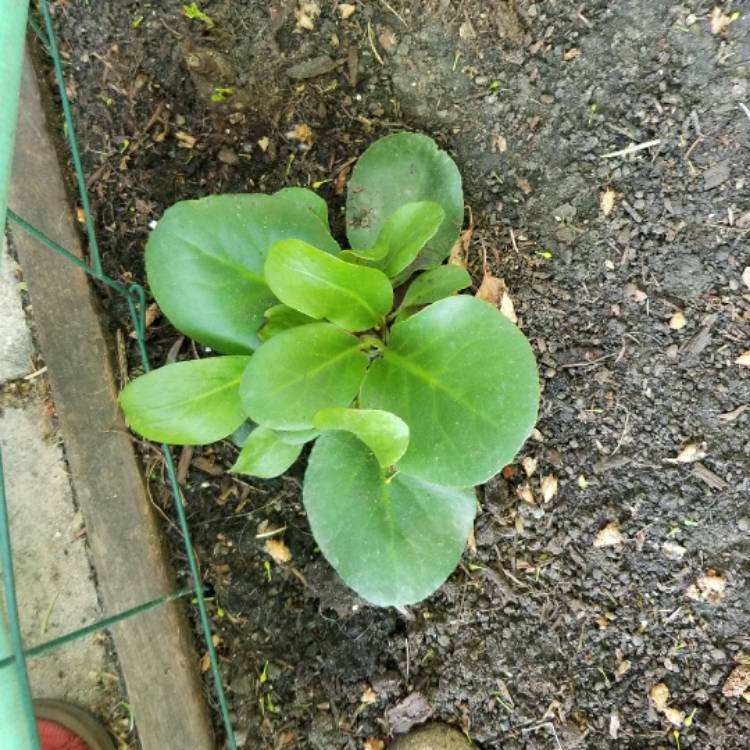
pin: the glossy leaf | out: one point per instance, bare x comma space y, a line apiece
306, 199
299, 372
393, 541
321, 286
464, 379
361, 257
205, 261
281, 318
297, 437
400, 169
265, 455
405, 233
383, 433
187, 403
435, 284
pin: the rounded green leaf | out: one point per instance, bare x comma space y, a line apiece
307, 200
187, 403
297, 437
297, 373
321, 286
281, 318
405, 233
399, 169
464, 379
205, 258
383, 433
435, 284
265, 455
394, 541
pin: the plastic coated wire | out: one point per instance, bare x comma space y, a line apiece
136, 305
103, 624
72, 140
11, 606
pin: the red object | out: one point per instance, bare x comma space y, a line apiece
54, 736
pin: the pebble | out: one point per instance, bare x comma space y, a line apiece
316, 66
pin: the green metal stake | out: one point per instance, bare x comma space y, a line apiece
16, 709
16, 713
13, 15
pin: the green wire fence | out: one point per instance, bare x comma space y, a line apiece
135, 297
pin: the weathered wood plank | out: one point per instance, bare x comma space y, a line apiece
155, 649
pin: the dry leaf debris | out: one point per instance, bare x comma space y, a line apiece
738, 683
708, 588
609, 536
743, 359
306, 13
346, 10
677, 321
549, 487
607, 201
278, 550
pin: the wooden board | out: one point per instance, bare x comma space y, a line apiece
156, 650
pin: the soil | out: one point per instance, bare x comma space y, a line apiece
540, 639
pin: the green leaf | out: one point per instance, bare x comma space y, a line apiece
464, 379
265, 455
400, 169
394, 541
297, 373
281, 318
187, 403
405, 233
374, 253
383, 433
321, 286
297, 437
435, 284
302, 198
205, 261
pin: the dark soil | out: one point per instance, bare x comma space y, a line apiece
540, 639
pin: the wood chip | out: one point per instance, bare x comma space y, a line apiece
746, 276
738, 682
209, 467
708, 588
689, 454
549, 487
278, 550
706, 475
346, 10
675, 716
185, 139
529, 465
677, 321
609, 536
744, 359
607, 201
659, 695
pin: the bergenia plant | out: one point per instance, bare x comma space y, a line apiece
411, 399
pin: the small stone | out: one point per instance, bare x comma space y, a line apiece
228, 157
433, 737
316, 66
716, 175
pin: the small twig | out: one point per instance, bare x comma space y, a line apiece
694, 144
395, 13
372, 44
544, 725
744, 108
631, 149
36, 373
513, 240
583, 18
